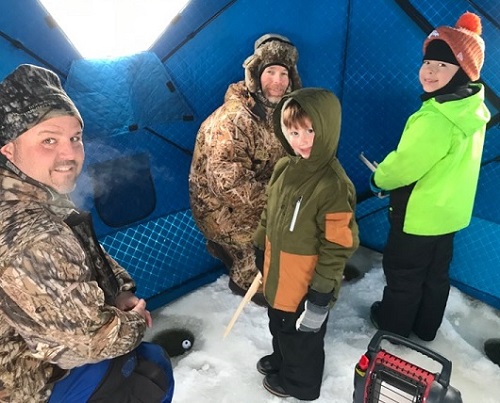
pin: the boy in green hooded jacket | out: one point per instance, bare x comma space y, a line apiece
432, 178
308, 231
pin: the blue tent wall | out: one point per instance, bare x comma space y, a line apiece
368, 53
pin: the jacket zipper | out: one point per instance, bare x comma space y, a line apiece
295, 214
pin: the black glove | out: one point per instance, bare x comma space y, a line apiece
259, 259
315, 311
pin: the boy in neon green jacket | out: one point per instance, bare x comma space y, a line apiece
432, 178
308, 231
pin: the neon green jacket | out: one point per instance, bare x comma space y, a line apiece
440, 151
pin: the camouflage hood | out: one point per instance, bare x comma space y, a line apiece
13, 188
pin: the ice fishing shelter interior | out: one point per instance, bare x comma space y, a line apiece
142, 113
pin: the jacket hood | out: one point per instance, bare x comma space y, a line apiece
237, 92
462, 117
259, 106
15, 188
323, 107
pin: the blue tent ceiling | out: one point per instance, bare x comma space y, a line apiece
29, 27
124, 94
25, 26
153, 103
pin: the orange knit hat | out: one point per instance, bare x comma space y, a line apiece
465, 42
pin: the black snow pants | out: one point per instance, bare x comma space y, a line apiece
417, 274
299, 355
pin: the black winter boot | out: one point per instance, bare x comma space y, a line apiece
266, 366
272, 384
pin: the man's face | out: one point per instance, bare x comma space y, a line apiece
274, 82
51, 152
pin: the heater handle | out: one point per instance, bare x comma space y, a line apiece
443, 378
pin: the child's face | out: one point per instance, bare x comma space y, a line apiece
301, 138
435, 74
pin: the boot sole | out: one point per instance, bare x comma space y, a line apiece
272, 391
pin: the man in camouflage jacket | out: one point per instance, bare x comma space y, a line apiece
234, 157
64, 302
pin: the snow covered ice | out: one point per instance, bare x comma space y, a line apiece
223, 370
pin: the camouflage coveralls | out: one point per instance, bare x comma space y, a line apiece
57, 290
233, 159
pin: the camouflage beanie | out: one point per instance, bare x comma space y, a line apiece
28, 96
271, 49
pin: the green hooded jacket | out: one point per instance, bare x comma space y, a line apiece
312, 249
440, 152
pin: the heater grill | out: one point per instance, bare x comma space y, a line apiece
382, 377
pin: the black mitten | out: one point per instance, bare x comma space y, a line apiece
315, 311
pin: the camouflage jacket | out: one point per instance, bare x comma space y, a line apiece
233, 160
57, 289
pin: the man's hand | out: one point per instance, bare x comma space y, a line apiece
128, 301
140, 308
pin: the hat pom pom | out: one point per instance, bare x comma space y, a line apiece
471, 22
